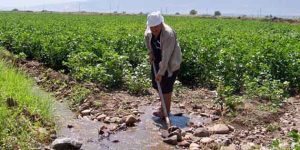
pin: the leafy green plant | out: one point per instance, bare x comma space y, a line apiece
138, 79
295, 140
294, 145
226, 98
104, 51
264, 87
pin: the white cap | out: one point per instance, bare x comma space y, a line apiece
154, 19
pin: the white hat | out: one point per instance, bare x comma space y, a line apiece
154, 19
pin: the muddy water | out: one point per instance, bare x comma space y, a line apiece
143, 136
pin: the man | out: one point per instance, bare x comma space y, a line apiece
165, 53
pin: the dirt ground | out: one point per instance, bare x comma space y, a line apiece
253, 122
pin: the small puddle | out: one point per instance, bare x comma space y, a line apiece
145, 135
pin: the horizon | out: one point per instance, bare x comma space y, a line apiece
280, 8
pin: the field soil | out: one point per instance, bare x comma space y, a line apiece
253, 125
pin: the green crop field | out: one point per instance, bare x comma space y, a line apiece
236, 56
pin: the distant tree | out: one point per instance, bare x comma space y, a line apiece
217, 13
177, 13
115, 12
15, 9
193, 12
141, 13
124, 12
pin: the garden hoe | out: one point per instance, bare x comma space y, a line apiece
162, 100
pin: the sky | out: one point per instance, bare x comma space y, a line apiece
231, 7
27, 3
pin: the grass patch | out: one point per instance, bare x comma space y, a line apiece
23, 112
79, 94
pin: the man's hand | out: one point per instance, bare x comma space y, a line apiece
158, 77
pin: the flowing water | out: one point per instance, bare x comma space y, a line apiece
145, 135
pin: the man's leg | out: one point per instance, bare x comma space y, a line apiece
167, 98
160, 112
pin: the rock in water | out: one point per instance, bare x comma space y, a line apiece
130, 120
177, 133
171, 140
172, 128
164, 134
184, 144
66, 143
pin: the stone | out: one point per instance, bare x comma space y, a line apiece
188, 136
86, 112
172, 129
217, 112
197, 106
102, 130
195, 139
248, 146
114, 119
198, 124
184, 143
53, 136
231, 128
84, 106
230, 147
181, 106
135, 112
96, 90
219, 129
227, 141
119, 120
183, 132
164, 134
194, 146
201, 132
107, 120
204, 115
190, 124
178, 133
113, 128
70, 126
101, 117
66, 143
206, 140
214, 117
130, 120
251, 137
123, 126
94, 112
171, 140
